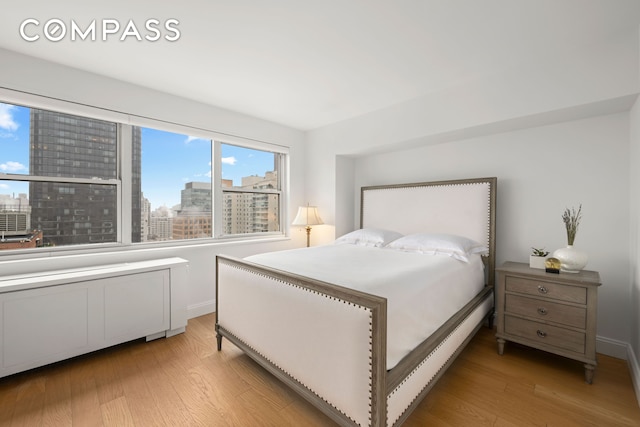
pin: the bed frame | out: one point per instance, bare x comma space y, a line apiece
328, 342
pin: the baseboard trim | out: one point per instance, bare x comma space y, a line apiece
611, 347
622, 350
634, 370
200, 309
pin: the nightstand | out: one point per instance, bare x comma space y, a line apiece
550, 312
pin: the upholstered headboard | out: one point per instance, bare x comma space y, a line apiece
464, 207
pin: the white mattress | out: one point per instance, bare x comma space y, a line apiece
422, 291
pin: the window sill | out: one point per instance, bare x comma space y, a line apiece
115, 247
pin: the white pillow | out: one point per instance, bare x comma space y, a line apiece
369, 237
458, 247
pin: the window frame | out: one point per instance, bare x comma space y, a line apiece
33, 103
280, 163
123, 183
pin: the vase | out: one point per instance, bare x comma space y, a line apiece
571, 259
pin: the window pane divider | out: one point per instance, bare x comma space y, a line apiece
60, 179
257, 191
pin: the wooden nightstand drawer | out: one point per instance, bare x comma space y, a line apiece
547, 289
547, 311
545, 334
551, 312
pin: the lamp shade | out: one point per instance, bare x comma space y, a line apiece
307, 215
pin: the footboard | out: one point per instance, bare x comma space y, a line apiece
325, 341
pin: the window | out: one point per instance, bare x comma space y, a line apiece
59, 171
70, 180
173, 200
251, 190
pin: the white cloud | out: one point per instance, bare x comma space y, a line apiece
6, 119
4, 186
12, 167
229, 160
193, 138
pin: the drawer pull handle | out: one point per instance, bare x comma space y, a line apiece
542, 289
541, 334
542, 311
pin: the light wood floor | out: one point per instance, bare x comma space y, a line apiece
184, 381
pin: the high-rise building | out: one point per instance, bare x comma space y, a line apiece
145, 218
161, 224
196, 196
64, 145
137, 200
244, 212
193, 220
248, 212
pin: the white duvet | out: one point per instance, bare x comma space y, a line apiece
422, 291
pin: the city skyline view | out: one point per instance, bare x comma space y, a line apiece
59, 177
169, 160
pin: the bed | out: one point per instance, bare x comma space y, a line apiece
353, 341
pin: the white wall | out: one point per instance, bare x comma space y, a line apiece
541, 171
26, 74
634, 233
601, 80
556, 134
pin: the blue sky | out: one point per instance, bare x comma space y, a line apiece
14, 146
169, 160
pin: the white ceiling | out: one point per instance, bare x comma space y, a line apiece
306, 64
